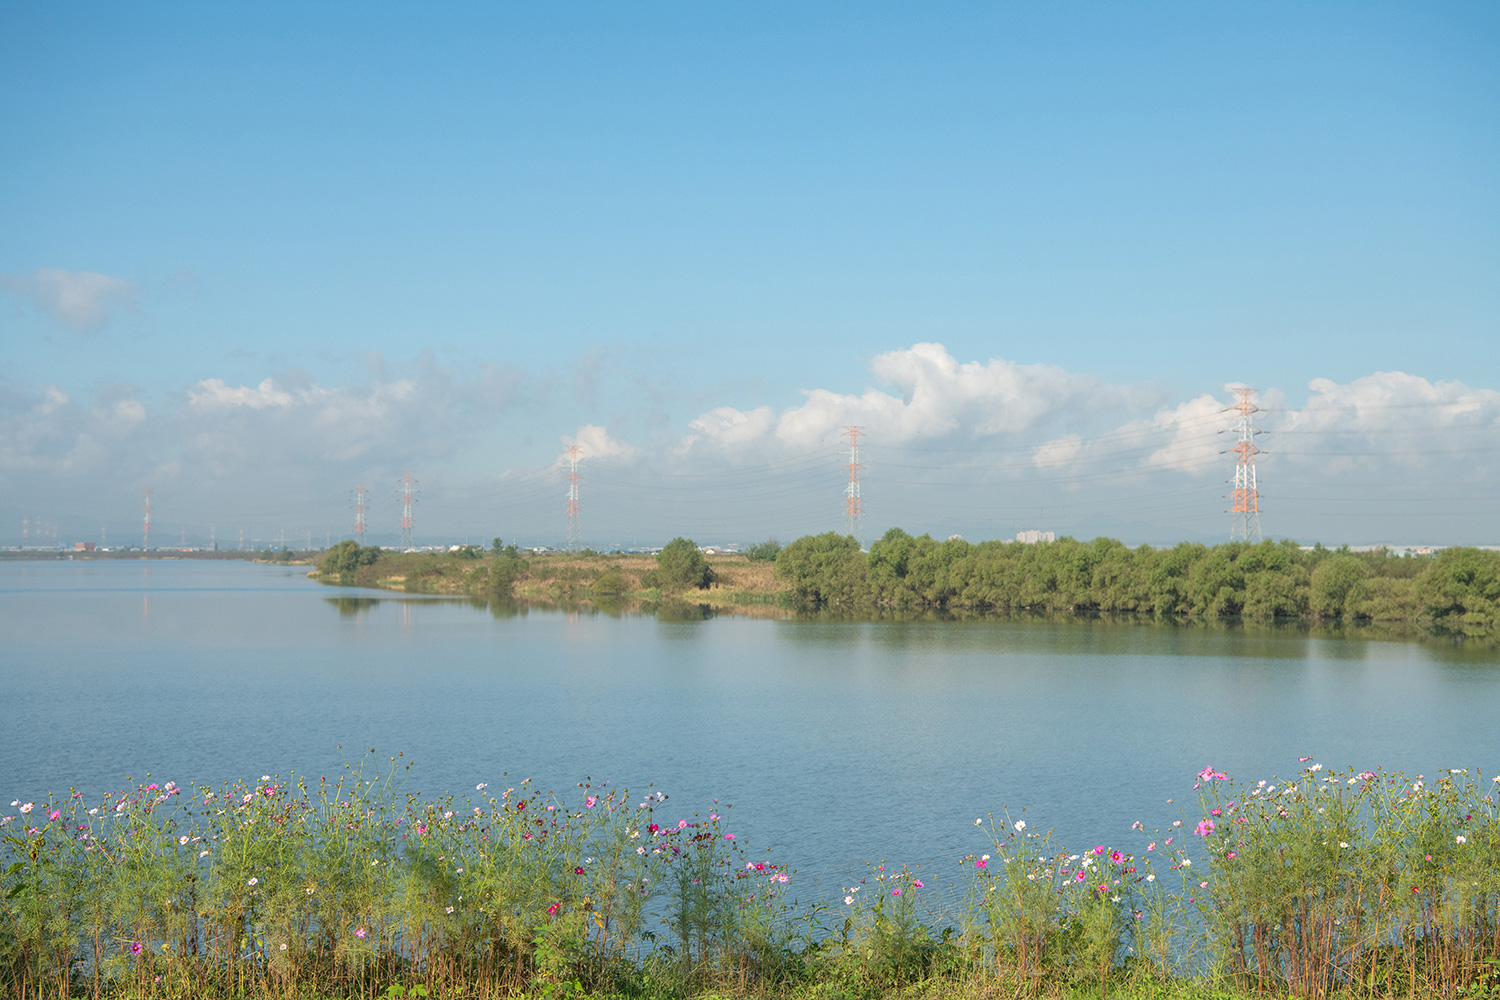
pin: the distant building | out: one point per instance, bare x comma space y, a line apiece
1032, 537
84, 546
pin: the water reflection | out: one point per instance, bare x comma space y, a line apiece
350, 607
1083, 633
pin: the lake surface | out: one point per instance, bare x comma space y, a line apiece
838, 744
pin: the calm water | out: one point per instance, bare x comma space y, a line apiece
837, 744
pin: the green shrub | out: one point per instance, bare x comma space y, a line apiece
679, 564
764, 551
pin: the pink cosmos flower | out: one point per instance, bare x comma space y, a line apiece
1205, 827
895, 892
916, 883
980, 863
1116, 857
552, 910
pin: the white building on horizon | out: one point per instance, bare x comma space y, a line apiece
1032, 537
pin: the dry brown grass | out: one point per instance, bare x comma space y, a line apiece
740, 573
741, 586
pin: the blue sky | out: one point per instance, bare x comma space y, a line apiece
251, 255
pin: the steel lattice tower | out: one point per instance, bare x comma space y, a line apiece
359, 513
406, 482
146, 524
1245, 509
572, 454
854, 504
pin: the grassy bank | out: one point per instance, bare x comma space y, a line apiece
1355, 884
738, 584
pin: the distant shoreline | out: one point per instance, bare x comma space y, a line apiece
208, 555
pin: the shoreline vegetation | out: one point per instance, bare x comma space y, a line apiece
1323, 885
1454, 592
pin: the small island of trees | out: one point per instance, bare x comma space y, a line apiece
902, 573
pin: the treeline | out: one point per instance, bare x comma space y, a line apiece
1459, 586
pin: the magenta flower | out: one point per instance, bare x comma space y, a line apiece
360, 932
136, 947
728, 836
1116, 857
1098, 850
552, 910
54, 814
980, 863
895, 892
1205, 827
916, 883
1079, 875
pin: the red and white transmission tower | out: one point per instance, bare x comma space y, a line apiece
1245, 509
146, 524
854, 504
359, 513
572, 454
406, 482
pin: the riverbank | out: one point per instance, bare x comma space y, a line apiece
164, 555
740, 586
1359, 884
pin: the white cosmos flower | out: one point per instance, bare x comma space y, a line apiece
1020, 825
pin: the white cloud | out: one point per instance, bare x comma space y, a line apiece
595, 442
80, 300
938, 396
213, 393
1057, 452
45, 433
1191, 428
1387, 419
935, 396
728, 426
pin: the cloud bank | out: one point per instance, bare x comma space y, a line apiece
950, 445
